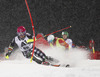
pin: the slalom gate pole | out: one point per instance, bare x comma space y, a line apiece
57, 31
94, 55
32, 28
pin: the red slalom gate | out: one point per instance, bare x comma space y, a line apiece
32, 28
57, 31
97, 55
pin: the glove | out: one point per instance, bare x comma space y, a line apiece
7, 57
8, 54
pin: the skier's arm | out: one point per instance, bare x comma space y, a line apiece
10, 48
63, 43
30, 40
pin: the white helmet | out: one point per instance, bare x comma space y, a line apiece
50, 38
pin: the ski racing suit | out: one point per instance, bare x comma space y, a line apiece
27, 48
69, 42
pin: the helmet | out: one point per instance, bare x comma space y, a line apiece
39, 35
21, 30
50, 38
65, 33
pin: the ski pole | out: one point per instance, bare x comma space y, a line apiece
57, 31
32, 28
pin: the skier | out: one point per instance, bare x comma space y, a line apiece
26, 46
65, 36
58, 42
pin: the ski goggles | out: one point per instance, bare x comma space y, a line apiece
21, 33
50, 41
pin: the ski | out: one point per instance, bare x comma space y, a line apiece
54, 62
55, 65
60, 65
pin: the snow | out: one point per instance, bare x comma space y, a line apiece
81, 65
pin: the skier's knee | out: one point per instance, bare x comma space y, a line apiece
37, 60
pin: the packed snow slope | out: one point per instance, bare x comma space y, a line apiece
80, 65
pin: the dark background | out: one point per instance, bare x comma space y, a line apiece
49, 16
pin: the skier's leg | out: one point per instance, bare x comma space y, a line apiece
28, 55
39, 53
43, 56
37, 60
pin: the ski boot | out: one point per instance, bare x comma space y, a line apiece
50, 59
45, 63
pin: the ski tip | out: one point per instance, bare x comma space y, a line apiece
70, 26
67, 65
